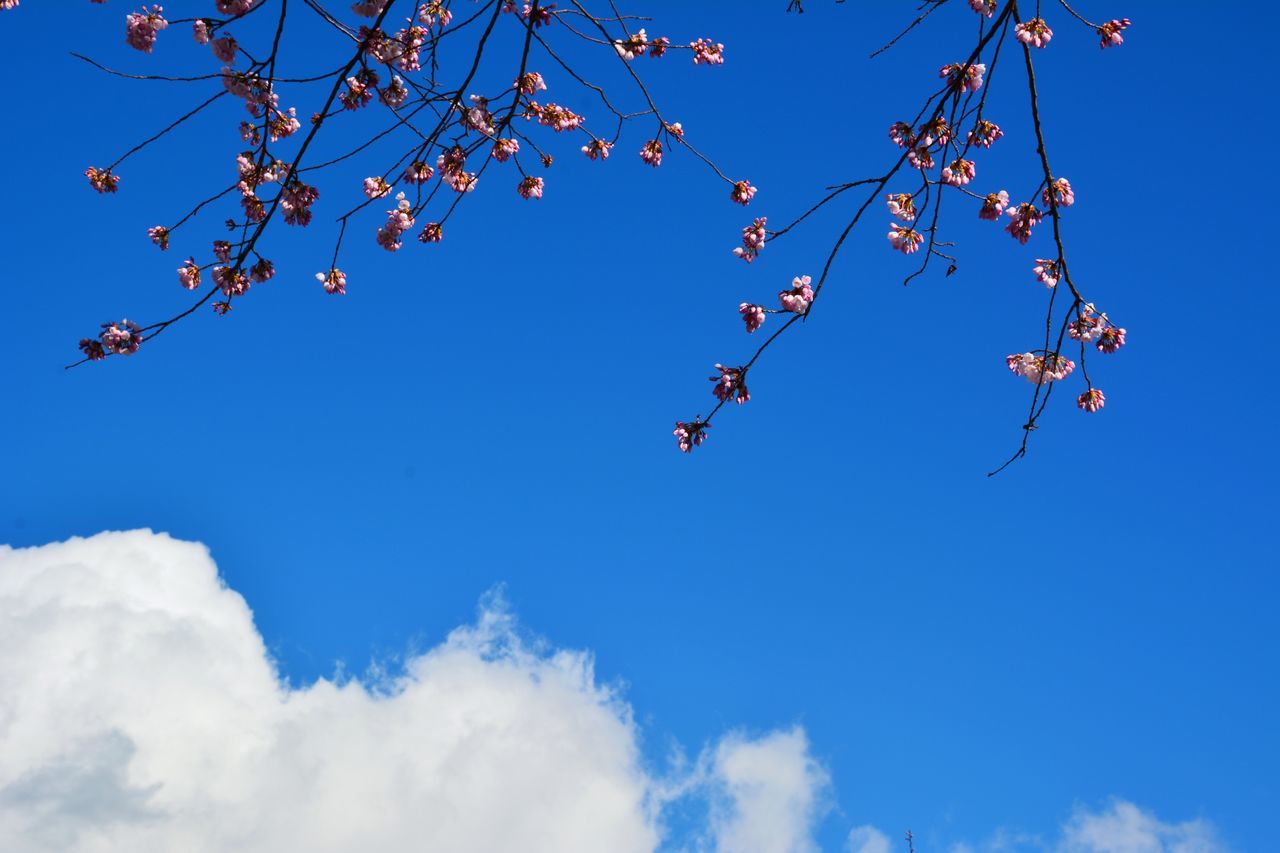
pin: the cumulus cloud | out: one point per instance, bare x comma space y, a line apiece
867, 839
139, 710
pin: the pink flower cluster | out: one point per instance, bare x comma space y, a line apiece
1091, 400
732, 382
690, 435
796, 300
902, 205
141, 27
651, 153
985, 133
102, 180
1110, 32
296, 199
993, 205
554, 116
753, 237
1046, 272
959, 173
1058, 194
742, 192
530, 187
399, 220
965, 78
597, 149
1089, 326
983, 7
189, 274
334, 281
1023, 218
1039, 367
752, 315
122, 338
707, 52
1034, 33
433, 232
904, 238
504, 148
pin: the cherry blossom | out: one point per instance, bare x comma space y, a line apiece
597, 149
376, 187
993, 205
983, 7
732, 382
232, 281
1046, 271
1034, 32
1109, 33
934, 130
920, 158
334, 281
504, 148
1022, 218
399, 220
432, 233
262, 271
742, 192
141, 27
530, 82
651, 153
752, 316
296, 200
1087, 325
200, 31
633, 46
1038, 368
904, 238
121, 338
159, 235
690, 435
530, 187
753, 237
959, 173
902, 134
1091, 400
985, 133
707, 52
189, 274
902, 205
222, 251
225, 49
1110, 340
798, 299
102, 180
966, 79
1058, 194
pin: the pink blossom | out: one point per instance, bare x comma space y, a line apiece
159, 235
742, 192
296, 200
1111, 339
966, 79
690, 435
235, 7
753, 237
451, 162
530, 82
707, 52
430, 13
102, 180
1091, 400
418, 172
395, 93
504, 148
399, 220
334, 281
798, 299
222, 251
1060, 193
959, 173
993, 205
368, 8
1046, 271
1039, 368
432, 233
225, 48
141, 28
934, 130
189, 274
376, 187
904, 238
658, 46
200, 31
262, 271
752, 315
902, 134
1022, 218
983, 7
92, 349
632, 46
902, 205
232, 281
920, 158
732, 382
121, 338
1109, 33
1035, 33
554, 116
530, 187
597, 149
985, 133
651, 153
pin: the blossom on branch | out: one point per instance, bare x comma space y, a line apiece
141, 27
798, 299
1091, 400
1034, 33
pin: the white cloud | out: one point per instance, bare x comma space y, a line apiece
139, 710
1125, 828
868, 839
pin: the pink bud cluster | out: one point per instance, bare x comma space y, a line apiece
993, 205
530, 187
1039, 367
707, 52
1058, 194
742, 192
1109, 33
796, 300
141, 28
753, 237
334, 281
962, 77
731, 383
1034, 33
902, 205
399, 220
1022, 218
904, 238
752, 315
690, 435
122, 338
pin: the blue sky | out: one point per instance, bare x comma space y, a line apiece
964, 653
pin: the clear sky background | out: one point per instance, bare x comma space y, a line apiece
964, 653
